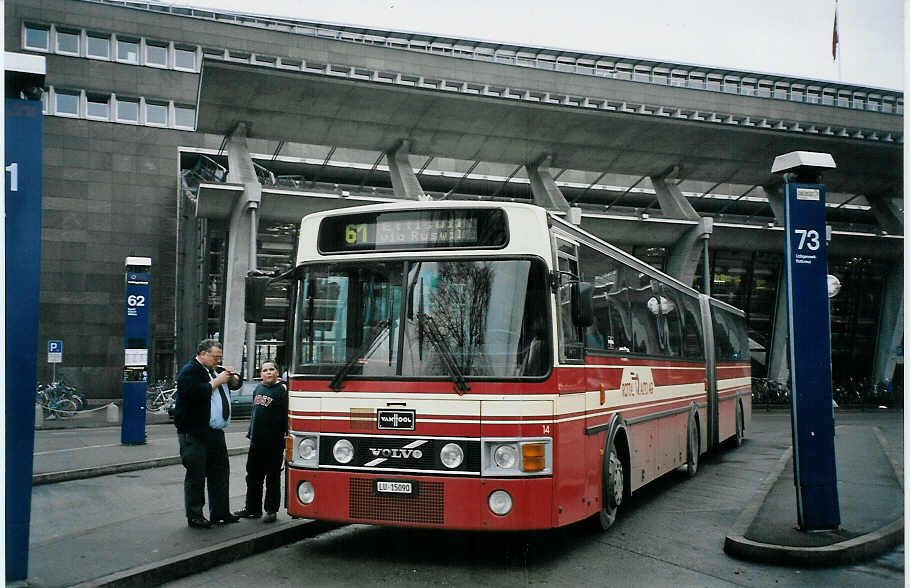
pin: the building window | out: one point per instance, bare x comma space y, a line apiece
213, 53
127, 110
128, 50
98, 106
66, 103
36, 37
156, 53
156, 113
98, 46
184, 117
185, 58
67, 42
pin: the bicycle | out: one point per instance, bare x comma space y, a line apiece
57, 400
161, 395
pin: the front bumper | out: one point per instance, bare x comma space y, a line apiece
437, 501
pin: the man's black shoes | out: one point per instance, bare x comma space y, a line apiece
226, 519
199, 523
246, 514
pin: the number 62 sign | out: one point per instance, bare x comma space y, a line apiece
137, 310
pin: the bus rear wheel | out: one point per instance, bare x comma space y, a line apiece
613, 489
693, 445
740, 426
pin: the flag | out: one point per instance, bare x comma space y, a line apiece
834, 37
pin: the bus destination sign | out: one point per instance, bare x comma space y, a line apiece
409, 230
451, 231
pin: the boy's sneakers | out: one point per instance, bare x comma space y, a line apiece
270, 517
245, 514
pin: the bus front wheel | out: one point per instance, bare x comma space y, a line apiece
613, 490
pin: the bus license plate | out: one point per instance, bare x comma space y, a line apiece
395, 487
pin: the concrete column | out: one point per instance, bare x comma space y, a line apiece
404, 180
190, 319
241, 252
672, 202
688, 249
543, 187
889, 212
775, 196
890, 326
778, 362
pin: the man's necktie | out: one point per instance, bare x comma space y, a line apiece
225, 405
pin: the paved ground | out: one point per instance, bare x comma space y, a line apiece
97, 524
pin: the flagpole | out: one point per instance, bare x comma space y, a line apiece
838, 50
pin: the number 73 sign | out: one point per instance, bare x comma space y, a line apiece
810, 357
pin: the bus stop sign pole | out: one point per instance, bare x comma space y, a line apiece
136, 345
809, 330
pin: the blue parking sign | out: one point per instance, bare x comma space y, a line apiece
54, 351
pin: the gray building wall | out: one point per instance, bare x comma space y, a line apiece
110, 191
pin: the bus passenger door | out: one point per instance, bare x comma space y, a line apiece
574, 472
710, 371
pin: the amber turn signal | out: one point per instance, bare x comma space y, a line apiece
533, 457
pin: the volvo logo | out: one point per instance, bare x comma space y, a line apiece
401, 453
383, 454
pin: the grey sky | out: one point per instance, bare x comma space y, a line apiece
791, 37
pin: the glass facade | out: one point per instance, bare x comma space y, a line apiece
854, 316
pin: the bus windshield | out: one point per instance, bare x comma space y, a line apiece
450, 319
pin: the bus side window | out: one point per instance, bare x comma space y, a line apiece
723, 348
672, 315
611, 329
571, 336
693, 343
731, 340
645, 338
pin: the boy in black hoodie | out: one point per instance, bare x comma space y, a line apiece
268, 427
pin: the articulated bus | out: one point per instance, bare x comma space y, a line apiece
491, 366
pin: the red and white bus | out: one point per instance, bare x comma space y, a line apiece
488, 365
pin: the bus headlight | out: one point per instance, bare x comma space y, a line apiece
451, 455
500, 502
517, 456
505, 456
305, 492
343, 451
302, 450
306, 449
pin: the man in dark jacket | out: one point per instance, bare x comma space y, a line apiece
268, 426
202, 410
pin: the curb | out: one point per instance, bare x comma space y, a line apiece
132, 466
844, 552
177, 567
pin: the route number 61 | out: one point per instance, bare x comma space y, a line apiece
808, 238
135, 300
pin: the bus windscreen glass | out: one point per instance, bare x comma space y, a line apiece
413, 229
417, 318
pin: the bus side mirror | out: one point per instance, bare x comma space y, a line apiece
254, 298
583, 304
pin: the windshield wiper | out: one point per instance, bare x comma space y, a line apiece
337, 382
445, 351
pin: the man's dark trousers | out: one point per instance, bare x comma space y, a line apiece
264, 463
204, 456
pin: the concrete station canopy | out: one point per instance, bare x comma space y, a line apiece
302, 107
